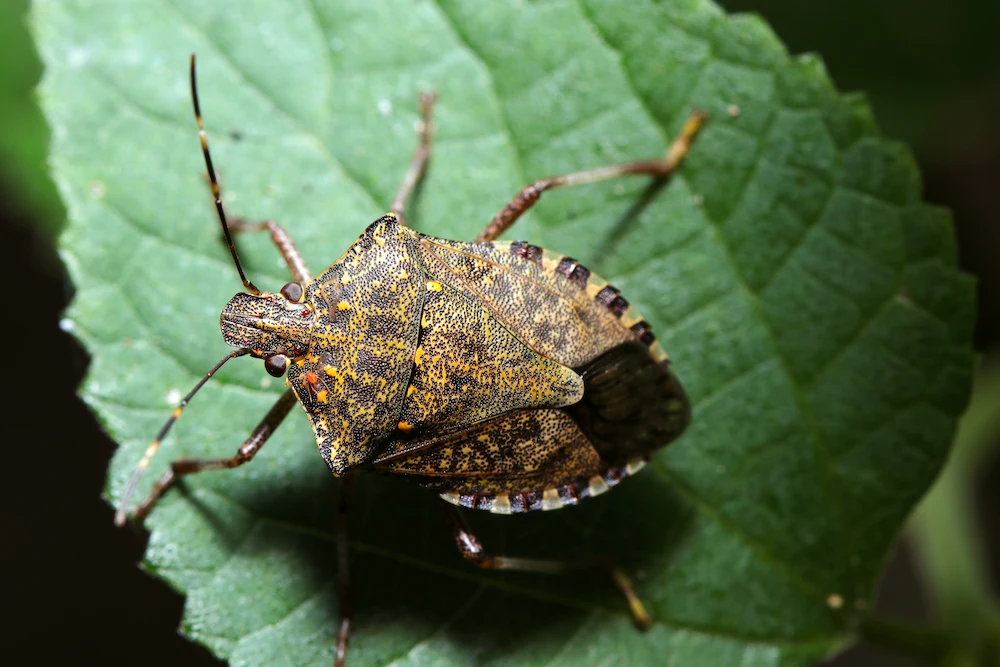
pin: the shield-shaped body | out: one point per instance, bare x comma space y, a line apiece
498, 374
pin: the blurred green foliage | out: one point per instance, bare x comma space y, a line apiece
948, 542
931, 68
24, 140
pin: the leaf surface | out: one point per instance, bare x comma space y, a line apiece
808, 298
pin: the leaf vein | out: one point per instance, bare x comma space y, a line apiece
297, 123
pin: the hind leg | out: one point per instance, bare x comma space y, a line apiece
472, 551
661, 168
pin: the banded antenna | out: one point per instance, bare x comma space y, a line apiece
216, 192
122, 514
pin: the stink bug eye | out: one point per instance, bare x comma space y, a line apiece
276, 365
293, 292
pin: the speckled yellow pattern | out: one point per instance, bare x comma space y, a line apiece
552, 313
469, 368
505, 376
368, 305
528, 450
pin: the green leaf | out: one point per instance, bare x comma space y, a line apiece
809, 301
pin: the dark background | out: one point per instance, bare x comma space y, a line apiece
932, 70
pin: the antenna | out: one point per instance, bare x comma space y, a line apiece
122, 514
215, 183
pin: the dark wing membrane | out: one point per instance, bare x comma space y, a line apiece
631, 404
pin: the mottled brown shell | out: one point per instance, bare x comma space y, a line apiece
498, 374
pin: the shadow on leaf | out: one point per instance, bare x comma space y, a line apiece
409, 581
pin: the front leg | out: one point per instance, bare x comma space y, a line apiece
281, 239
296, 265
418, 165
245, 453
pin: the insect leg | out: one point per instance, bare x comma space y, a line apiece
296, 265
247, 451
281, 239
418, 165
472, 550
344, 499
661, 168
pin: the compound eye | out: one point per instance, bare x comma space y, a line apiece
276, 365
293, 292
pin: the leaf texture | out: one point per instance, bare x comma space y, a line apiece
809, 300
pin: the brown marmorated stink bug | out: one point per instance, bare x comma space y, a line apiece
502, 376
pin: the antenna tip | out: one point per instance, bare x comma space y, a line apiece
120, 518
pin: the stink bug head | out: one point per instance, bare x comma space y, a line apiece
268, 324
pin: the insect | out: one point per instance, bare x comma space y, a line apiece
501, 376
